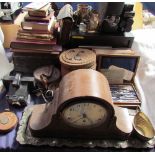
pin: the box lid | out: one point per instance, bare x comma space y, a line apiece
118, 65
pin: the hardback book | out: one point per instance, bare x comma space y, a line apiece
38, 19
33, 44
42, 26
34, 32
39, 38
43, 12
36, 36
35, 6
56, 49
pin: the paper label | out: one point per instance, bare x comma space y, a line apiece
113, 76
127, 74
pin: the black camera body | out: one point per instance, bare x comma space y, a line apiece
18, 96
18, 89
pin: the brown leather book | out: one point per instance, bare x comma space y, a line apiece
36, 36
39, 38
34, 31
43, 12
33, 44
38, 25
39, 19
56, 49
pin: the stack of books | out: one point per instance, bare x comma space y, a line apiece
35, 40
36, 34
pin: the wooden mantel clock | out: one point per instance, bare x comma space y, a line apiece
82, 108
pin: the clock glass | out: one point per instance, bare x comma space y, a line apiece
85, 115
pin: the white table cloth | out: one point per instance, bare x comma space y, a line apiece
5, 66
144, 45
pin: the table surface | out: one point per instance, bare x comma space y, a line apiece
8, 141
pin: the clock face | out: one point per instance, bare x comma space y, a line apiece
85, 115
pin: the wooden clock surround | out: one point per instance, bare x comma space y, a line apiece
80, 86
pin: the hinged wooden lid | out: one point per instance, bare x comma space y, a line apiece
126, 59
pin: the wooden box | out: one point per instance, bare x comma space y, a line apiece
120, 67
26, 63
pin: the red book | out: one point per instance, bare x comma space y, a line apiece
38, 25
56, 49
39, 19
35, 31
33, 44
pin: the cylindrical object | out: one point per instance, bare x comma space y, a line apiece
77, 59
114, 9
82, 27
86, 85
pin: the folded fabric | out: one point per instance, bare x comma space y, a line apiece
144, 44
1, 36
5, 66
66, 11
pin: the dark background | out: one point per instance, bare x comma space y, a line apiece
146, 5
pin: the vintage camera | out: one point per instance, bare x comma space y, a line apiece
18, 97
18, 89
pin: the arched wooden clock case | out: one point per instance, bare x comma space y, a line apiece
82, 108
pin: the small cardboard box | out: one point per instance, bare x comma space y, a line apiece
120, 67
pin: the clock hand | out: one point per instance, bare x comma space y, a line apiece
82, 110
77, 120
88, 118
